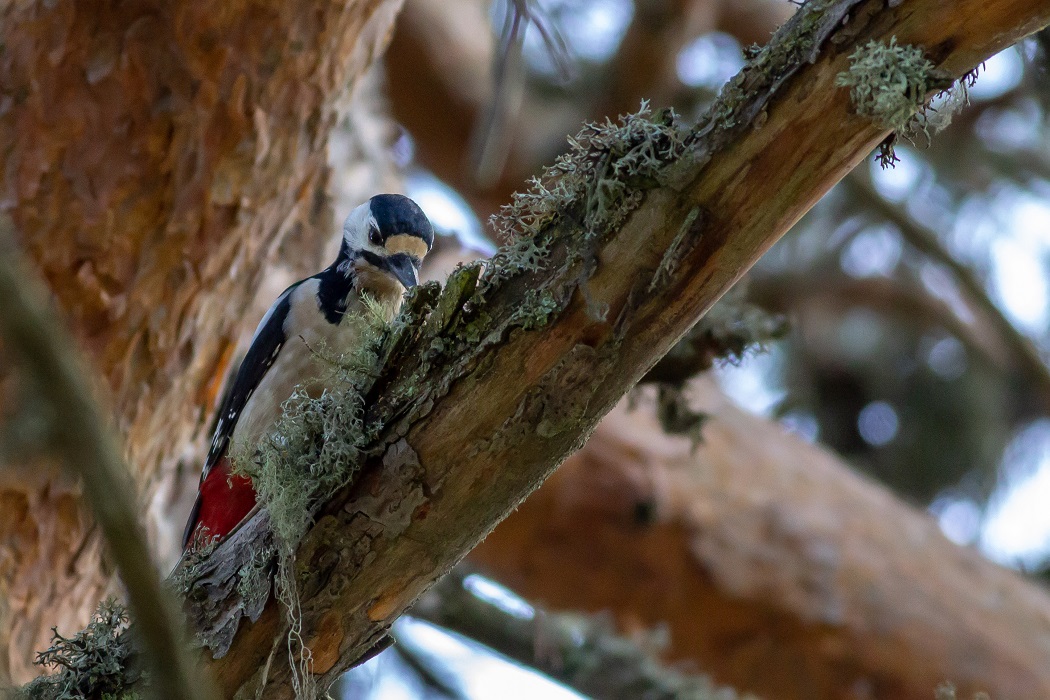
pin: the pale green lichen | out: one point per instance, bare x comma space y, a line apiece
477, 328
192, 564
893, 84
92, 663
536, 309
889, 82
253, 579
317, 444
592, 187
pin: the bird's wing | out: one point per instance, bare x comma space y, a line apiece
266, 345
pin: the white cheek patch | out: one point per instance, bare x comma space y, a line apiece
357, 225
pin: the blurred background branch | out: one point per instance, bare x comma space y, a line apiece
928, 243
582, 651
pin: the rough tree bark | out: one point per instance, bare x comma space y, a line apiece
474, 431
775, 567
159, 157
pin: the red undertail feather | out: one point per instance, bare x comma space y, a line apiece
224, 501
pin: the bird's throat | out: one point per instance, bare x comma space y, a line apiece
382, 286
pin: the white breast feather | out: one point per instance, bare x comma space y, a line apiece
307, 331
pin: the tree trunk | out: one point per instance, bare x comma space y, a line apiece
488, 391
776, 568
161, 159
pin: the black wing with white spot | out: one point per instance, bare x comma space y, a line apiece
266, 345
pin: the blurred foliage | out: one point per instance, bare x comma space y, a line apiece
876, 321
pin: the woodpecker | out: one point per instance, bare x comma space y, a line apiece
384, 242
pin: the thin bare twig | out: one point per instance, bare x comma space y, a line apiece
36, 338
490, 140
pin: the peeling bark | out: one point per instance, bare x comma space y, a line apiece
159, 159
490, 407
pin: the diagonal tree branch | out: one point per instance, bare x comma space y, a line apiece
487, 388
775, 567
580, 650
78, 435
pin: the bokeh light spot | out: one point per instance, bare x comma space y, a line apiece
878, 423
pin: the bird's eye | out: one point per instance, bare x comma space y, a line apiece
374, 236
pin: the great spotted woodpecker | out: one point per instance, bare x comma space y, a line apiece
384, 242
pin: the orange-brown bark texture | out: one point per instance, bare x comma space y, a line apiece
158, 159
773, 565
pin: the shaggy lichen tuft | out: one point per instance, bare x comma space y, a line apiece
889, 82
93, 663
317, 444
593, 186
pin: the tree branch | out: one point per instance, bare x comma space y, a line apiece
582, 651
776, 568
487, 388
34, 335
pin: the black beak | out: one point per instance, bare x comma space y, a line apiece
404, 269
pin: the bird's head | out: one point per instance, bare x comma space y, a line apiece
384, 242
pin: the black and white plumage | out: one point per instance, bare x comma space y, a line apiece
383, 244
